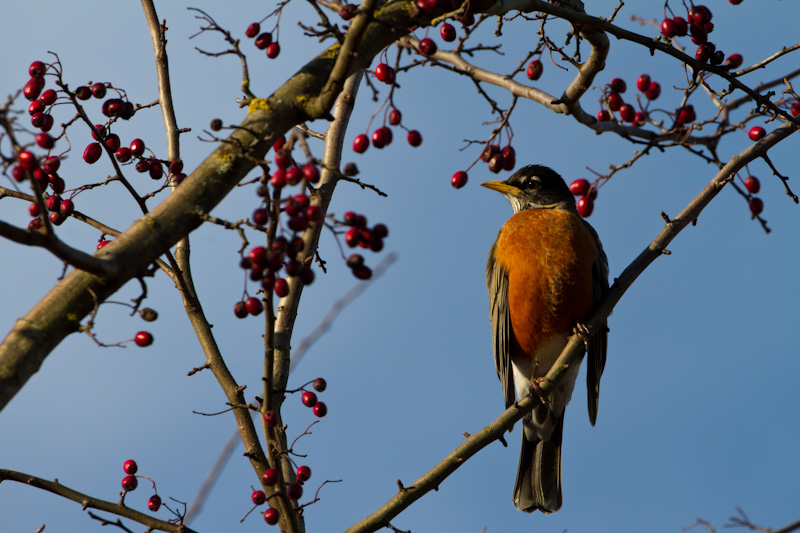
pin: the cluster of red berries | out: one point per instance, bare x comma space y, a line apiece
586, 195
129, 484
383, 136
615, 103
359, 235
756, 204
505, 159
263, 41
698, 25
310, 400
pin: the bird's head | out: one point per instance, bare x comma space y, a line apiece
534, 187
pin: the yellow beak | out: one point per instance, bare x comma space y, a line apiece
501, 187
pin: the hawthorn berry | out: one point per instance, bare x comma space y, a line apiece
99, 90
414, 138
735, 2
681, 26
614, 101
427, 46
668, 28
579, 187
698, 33
380, 138
263, 41
320, 409
156, 170
253, 306
303, 473
756, 133
734, 61
270, 419
700, 14
66, 207
272, 516
33, 88
154, 503
137, 147
311, 173
216, 124
57, 218
653, 92
534, 70
509, 157
458, 180
603, 115
795, 109
143, 338
53, 202
385, 73
258, 497
497, 162
618, 85
294, 491
281, 287
585, 206
756, 205
293, 175
37, 69
751, 183
270, 477
45, 140
260, 216
83, 93
643, 82
37, 106
49, 97
320, 384
627, 113
34, 210
361, 143
309, 399
686, 115
363, 273
92, 153
395, 117
252, 30
130, 467
348, 11
129, 483
448, 32
273, 50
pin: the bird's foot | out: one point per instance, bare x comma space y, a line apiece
535, 389
582, 331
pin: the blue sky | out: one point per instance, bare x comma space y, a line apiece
698, 408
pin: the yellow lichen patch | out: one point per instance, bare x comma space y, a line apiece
258, 103
227, 157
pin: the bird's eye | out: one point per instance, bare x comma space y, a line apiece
532, 183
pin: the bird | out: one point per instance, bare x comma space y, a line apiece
546, 273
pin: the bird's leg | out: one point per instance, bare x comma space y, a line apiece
534, 389
582, 331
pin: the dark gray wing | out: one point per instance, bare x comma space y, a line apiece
596, 360
502, 336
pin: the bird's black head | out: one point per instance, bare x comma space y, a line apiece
535, 187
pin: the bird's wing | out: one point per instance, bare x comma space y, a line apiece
596, 360
502, 335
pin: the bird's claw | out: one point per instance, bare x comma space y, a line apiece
582, 331
535, 390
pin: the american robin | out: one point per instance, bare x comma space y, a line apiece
545, 274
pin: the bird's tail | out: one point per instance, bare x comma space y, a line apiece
538, 485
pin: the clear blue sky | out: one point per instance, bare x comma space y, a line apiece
698, 409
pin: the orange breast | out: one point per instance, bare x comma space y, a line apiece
548, 255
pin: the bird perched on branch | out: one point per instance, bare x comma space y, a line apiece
546, 273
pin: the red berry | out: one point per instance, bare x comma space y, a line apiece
363, 272
83, 93
98, 90
704, 52
751, 183
53, 203
756, 205
618, 85
51, 164
281, 287
756, 133
681, 26
272, 516
130, 467
489, 152
385, 73
270, 477
102, 243
278, 178
129, 483
585, 206
253, 306
380, 138
44, 140
154, 503
668, 28
66, 207
303, 473
579, 187
643, 82
273, 50
33, 88
603, 115
294, 175
395, 117
448, 32
380, 231
653, 92
734, 61
414, 138
294, 491
113, 107
270, 419
263, 41
614, 101
37, 106
509, 158
698, 33
252, 30
360, 144
260, 216
320, 384
49, 97
137, 147
112, 141
57, 218
34, 210
258, 497
534, 70
320, 409
638, 119
92, 153
686, 115
795, 110
156, 170
311, 173
627, 113
735, 2
497, 162
347, 11
239, 310
459, 179
143, 338
37, 69
309, 399
700, 15
427, 46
